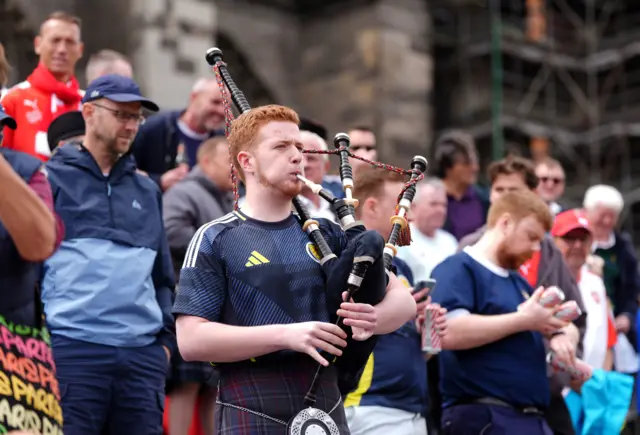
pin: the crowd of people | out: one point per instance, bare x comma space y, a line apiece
137, 299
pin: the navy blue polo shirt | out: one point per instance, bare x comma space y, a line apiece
512, 369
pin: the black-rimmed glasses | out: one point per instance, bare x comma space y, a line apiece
124, 116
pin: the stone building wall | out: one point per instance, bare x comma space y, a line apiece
174, 36
372, 66
269, 39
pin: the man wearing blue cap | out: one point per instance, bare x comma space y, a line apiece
28, 231
108, 289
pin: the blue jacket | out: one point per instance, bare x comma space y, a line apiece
156, 144
18, 278
111, 281
334, 185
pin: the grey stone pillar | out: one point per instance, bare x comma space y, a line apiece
371, 66
170, 55
405, 81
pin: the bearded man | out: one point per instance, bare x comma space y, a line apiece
493, 369
108, 289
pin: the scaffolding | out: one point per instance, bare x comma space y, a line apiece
546, 77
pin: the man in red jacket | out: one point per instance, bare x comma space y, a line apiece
50, 90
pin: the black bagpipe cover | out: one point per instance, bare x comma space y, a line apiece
372, 291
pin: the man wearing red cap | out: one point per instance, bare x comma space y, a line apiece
573, 238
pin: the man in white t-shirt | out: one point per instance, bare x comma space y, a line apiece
430, 244
573, 238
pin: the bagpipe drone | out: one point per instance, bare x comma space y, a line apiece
362, 267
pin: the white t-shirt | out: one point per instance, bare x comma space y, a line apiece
322, 211
594, 298
425, 253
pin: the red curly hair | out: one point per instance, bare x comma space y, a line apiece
244, 129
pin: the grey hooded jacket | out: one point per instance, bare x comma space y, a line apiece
187, 206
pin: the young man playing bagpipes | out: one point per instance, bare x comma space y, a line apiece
253, 294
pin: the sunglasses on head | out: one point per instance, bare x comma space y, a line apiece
554, 180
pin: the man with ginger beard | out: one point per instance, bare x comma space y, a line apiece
493, 367
545, 268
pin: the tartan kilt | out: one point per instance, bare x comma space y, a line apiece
276, 390
183, 372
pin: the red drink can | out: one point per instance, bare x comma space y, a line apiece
551, 297
569, 311
430, 337
581, 371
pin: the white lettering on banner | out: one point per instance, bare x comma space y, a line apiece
18, 417
29, 392
50, 428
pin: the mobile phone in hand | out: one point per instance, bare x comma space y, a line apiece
421, 285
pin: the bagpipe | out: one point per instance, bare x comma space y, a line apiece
361, 268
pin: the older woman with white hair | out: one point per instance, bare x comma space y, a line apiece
603, 205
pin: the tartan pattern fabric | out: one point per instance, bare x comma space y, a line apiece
183, 372
276, 390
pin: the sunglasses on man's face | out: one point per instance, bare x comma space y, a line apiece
553, 180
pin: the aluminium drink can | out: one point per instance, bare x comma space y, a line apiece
430, 336
181, 155
551, 297
569, 311
581, 371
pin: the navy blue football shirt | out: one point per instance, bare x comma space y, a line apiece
512, 369
243, 272
395, 375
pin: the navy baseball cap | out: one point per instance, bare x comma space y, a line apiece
119, 89
7, 120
